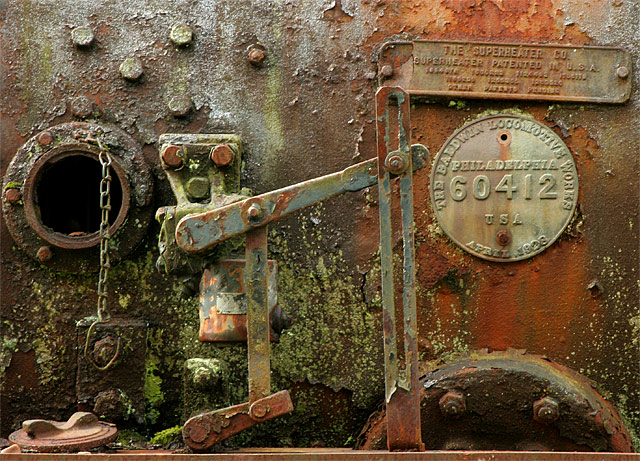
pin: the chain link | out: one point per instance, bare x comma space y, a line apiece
105, 265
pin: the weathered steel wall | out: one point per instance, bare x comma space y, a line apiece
308, 111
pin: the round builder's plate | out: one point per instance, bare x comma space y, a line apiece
504, 187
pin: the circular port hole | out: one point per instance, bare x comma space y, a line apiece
504, 137
62, 198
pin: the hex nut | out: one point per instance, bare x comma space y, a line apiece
181, 34
198, 187
180, 105
254, 212
44, 254
131, 69
222, 155
452, 404
82, 107
256, 56
546, 410
82, 36
172, 156
12, 195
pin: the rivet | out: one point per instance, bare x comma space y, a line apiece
503, 237
82, 106
12, 195
180, 105
622, 72
82, 36
131, 68
258, 410
256, 56
45, 138
181, 34
44, 254
386, 71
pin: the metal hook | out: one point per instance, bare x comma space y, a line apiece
86, 349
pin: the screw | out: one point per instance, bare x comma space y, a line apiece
181, 34
172, 156
254, 212
180, 105
81, 106
258, 410
198, 187
44, 254
452, 404
386, 71
256, 56
12, 196
131, 69
45, 138
222, 155
395, 163
622, 72
546, 410
503, 237
82, 36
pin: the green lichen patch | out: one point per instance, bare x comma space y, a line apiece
167, 436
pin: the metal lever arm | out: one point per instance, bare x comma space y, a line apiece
201, 231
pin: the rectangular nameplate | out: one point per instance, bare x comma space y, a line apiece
508, 71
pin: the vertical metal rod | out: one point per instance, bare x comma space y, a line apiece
402, 390
258, 345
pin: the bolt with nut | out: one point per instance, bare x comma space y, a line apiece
396, 163
222, 155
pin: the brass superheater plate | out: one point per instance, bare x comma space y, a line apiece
504, 187
489, 70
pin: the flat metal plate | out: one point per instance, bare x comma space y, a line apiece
508, 71
504, 187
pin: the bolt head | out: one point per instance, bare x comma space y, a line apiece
452, 404
172, 156
386, 71
12, 196
44, 254
222, 155
180, 105
198, 187
82, 36
503, 237
131, 69
45, 138
82, 106
181, 34
546, 410
256, 56
622, 72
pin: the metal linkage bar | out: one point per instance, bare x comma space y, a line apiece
402, 389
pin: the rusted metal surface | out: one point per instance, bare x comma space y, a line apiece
509, 399
504, 188
223, 302
497, 70
204, 431
402, 393
258, 343
81, 432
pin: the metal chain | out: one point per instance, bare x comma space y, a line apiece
105, 208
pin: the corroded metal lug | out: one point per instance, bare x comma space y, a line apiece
81, 432
204, 431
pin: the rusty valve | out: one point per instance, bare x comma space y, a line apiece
222, 155
396, 162
546, 410
453, 404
